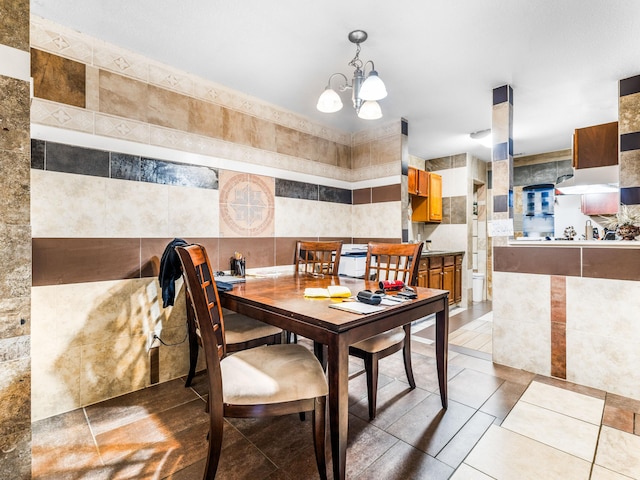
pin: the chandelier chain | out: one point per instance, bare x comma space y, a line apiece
356, 62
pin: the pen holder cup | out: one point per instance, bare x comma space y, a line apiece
237, 267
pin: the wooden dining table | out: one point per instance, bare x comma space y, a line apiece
280, 301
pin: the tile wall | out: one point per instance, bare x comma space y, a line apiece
114, 180
15, 238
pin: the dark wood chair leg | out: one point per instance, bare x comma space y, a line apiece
193, 341
215, 447
371, 367
319, 435
406, 350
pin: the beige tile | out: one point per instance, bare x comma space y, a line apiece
503, 454
465, 472
184, 200
136, 209
618, 451
292, 217
380, 220
601, 473
559, 431
582, 407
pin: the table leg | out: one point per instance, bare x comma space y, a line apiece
339, 404
442, 350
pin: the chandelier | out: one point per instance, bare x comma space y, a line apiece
365, 91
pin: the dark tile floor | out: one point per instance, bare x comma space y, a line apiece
160, 432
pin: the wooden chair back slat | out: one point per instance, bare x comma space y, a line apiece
393, 261
318, 258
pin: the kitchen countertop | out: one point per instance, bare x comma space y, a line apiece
576, 243
439, 253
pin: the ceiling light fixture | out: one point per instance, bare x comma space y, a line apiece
484, 137
366, 91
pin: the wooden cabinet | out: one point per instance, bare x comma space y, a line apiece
596, 146
418, 182
429, 208
443, 272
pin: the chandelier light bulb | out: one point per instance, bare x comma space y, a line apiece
370, 110
329, 101
373, 87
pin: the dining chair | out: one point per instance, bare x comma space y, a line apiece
388, 261
316, 258
264, 381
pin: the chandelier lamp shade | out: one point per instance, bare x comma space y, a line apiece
366, 89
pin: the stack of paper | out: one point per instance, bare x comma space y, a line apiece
332, 291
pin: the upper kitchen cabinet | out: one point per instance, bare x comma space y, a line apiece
428, 208
596, 146
418, 183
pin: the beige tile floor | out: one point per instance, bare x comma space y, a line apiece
501, 423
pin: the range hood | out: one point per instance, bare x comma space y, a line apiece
589, 180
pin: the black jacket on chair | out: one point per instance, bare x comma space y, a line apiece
170, 271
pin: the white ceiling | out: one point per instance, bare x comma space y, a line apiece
440, 59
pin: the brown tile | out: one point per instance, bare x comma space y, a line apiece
558, 299
259, 252
458, 212
58, 261
612, 263
636, 429
168, 109
63, 444
205, 118
58, 79
343, 153
327, 151
286, 247
572, 387
362, 196
308, 146
386, 150
559, 349
434, 164
127, 409
388, 193
618, 418
264, 135
546, 260
361, 156
15, 24
116, 92
287, 140
405, 461
502, 401
623, 403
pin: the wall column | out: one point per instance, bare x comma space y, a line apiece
629, 131
15, 242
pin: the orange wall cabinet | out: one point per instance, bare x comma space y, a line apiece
428, 208
418, 183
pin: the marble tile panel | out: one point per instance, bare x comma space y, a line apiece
58, 79
618, 452
603, 362
15, 401
205, 118
501, 453
343, 153
136, 209
92, 88
628, 117
14, 185
376, 220
57, 115
308, 147
437, 427
524, 300
16, 462
297, 218
618, 418
116, 92
246, 205
123, 166
174, 173
15, 32
167, 108
556, 430
327, 151
601, 473
458, 212
117, 366
15, 316
14, 114
630, 168
589, 302
500, 178
361, 156
183, 202
16, 259
501, 122
78, 160
55, 212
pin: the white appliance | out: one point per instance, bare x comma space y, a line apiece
353, 260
